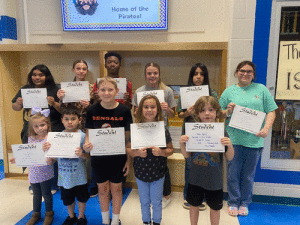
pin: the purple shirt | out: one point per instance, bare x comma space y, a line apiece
38, 174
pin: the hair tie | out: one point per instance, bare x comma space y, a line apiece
44, 112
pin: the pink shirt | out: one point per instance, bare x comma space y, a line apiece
38, 174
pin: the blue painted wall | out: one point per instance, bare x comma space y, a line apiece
260, 58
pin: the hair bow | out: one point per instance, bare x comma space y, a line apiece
44, 112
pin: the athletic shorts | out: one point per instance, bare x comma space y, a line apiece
106, 169
196, 194
80, 192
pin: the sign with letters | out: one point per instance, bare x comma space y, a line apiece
107, 141
63, 144
29, 154
246, 119
34, 97
158, 93
189, 95
75, 91
288, 75
204, 137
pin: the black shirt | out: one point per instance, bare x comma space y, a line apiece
151, 168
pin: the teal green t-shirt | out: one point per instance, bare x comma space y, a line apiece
255, 96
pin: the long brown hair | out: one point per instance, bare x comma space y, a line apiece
34, 117
79, 61
139, 115
161, 85
204, 100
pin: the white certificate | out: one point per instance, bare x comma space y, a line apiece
246, 119
122, 85
147, 135
34, 97
63, 144
189, 95
158, 93
204, 137
107, 141
75, 91
29, 154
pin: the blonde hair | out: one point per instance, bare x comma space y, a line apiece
161, 84
107, 79
200, 104
139, 115
34, 117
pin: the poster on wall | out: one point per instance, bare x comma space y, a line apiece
114, 15
288, 75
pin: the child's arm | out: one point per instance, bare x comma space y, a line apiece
55, 104
156, 151
12, 160
142, 152
18, 105
82, 154
183, 140
87, 145
230, 151
46, 147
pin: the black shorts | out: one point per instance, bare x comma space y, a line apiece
81, 192
108, 168
195, 196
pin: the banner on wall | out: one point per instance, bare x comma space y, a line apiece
288, 74
115, 15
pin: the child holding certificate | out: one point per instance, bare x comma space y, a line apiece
109, 170
72, 176
198, 76
150, 163
205, 177
40, 176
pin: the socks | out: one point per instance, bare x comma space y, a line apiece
115, 219
105, 217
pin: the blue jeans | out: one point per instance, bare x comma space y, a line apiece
188, 165
241, 173
151, 193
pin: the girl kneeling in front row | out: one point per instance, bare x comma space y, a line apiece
205, 178
150, 163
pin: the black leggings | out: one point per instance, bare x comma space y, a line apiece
40, 190
167, 183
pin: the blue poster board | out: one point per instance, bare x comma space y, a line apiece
114, 14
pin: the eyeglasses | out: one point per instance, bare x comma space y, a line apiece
249, 72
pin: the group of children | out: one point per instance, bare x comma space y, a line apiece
149, 163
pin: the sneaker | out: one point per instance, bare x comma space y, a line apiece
53, 191
203, 206
186, 205
165, 202
93, 192
82, 221
70, 221
119, 222
30, 190
145, 223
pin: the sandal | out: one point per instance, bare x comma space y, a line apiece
243, 211
232, 211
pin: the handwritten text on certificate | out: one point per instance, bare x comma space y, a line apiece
122, 85
189, 95
204, 137
246, 119
147, 135
29, 154
63, 144
108, 141
158, 93
75, 91
34, 97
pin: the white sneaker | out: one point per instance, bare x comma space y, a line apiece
165, 202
